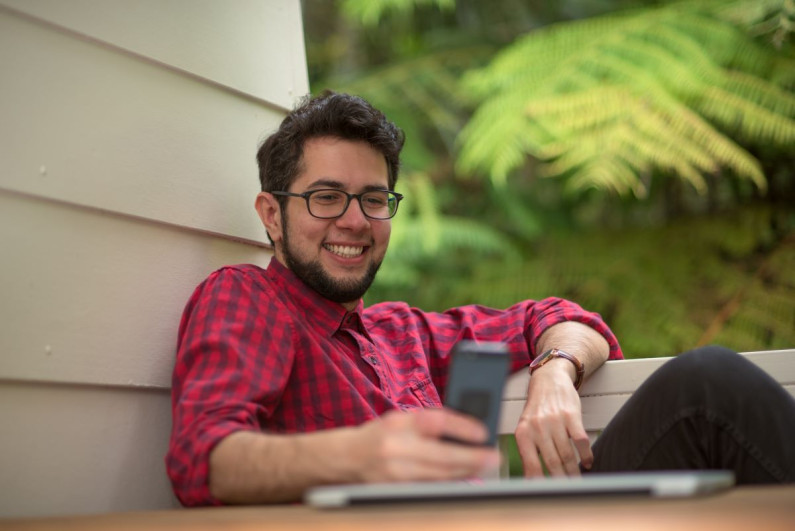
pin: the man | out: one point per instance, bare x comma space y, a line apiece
284, 380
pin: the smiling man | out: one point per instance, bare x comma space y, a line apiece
338, 248
284, 380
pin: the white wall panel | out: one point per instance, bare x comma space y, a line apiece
96, 128
97, 298
222, 41
128, 132
73, 450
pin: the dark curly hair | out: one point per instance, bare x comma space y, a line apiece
329, 114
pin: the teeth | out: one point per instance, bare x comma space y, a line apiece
344, 250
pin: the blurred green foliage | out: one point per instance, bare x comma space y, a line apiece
605, 101
633, 156
663, 290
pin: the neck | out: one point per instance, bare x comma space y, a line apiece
350, 306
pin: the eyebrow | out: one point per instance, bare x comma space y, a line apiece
329, 183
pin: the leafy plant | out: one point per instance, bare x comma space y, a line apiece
421, 235
650, 115
422, 95
369, 12
709, 279
609, 100
419, 90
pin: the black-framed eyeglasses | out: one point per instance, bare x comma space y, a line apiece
331, 203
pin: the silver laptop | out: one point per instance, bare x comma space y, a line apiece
654, 484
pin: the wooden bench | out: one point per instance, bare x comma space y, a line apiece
610, 387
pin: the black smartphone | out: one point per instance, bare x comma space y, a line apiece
476, 380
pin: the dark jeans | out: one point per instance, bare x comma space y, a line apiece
709, 408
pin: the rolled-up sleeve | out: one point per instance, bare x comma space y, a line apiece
519, 327
229, 374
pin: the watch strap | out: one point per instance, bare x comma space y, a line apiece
553, 353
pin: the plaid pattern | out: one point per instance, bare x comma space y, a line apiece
259, 350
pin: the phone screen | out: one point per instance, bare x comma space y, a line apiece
476, 380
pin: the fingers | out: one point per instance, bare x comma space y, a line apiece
559, 448
432, 459
548, 453
560, 456
583, 446
407, 446
550, 432
450, 424
529, 453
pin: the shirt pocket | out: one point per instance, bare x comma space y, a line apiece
425, 392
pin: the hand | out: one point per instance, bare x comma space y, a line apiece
407, 446
551, 424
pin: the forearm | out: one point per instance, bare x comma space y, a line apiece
254, 467
579, 340
551, 422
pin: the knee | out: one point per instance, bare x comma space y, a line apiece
706, 358
710, 364
711, 376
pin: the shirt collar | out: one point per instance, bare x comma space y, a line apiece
324, 314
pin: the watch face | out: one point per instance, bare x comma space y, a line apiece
557, 353
542, 359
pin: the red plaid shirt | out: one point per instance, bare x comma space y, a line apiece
259, 350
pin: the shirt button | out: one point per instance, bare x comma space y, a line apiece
373, 360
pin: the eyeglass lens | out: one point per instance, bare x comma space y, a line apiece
332, 203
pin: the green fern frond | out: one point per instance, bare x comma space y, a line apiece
772, 18
626, 127
587, 86
748, 13
370, 12
408, 257
606, 173
421, 234
746, 117
423, 195
762, 93
540, 53
455, 234
420, 94
502, 138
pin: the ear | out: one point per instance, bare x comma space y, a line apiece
270, 214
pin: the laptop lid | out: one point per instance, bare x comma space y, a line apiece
654, 484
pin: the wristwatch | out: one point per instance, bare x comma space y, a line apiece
553, 353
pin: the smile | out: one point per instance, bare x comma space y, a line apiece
344, 251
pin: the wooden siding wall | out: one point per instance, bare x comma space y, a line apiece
127, 174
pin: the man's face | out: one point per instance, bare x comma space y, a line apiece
338, 258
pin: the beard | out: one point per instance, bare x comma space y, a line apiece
313, 274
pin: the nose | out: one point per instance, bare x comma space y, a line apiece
353, 218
